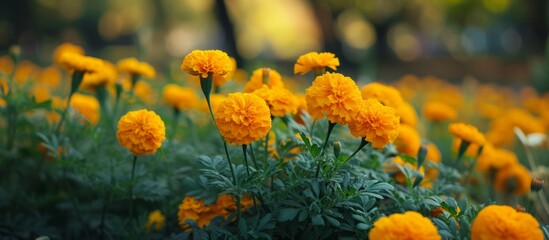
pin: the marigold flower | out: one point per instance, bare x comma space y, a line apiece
407, 114
376, 123
86, 105
317, 62
409, 225
408, 141
467, 133
243, 118
105, 76
206, 62
335, 96
434, 156
157, 219
387, 95
144, 91
494, 159
6, 64
78, 62
141, 132
513, 179
438, 111
220, 80
180, 97
40, 93
133, 66
472, 150
256, 80
50, 76
25, 71
64, 48
195, 210
497, 222
281, 101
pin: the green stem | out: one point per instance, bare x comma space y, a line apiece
131, 185
134, 78
363, 143
12, 126
246, 159
253, 156
77, 77
230, 163
330, 128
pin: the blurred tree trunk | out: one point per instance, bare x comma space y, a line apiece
228, 29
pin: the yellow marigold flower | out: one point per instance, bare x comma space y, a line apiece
497, 222
224, 205
142, 132
387, 95
220, 80
215, 101
50, 76
24, 71
243, 118
105, 76
390, 167
144, 91
87, 106
407, 114
317, 62
333, 95
40, 93
206, 62
78, 62
409, 225
433, 156
376, 123
133, 66
467, 133
180, 97
157, 219
493, 159
281, 101
438, 111
256, 80
196, 210
64, 48
408, 141
513, 179
6, 64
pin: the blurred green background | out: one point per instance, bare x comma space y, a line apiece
500, 41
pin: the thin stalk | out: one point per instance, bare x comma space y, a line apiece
230, 164
131, 185
246, 159
330, 128
253, 156
12, 126
175, 119
75, 83
363, 143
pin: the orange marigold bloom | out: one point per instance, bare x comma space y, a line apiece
438, 111
256, 80
376, 123
78, 62
317, 62
407, 114
40, 93
180, 97
494, 159
6, 64
333, 95
387, 95
497, 222
64, 48
133, 66
142, 132
433, 154
243, 118
105, 76
195, 210
50, 76
220, 80
86, 105
145, 92
206, 62
513, 179
25, 71
157, 219
409, 225
408, 141
467, 133
281, 101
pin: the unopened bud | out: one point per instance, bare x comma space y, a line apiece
266, 75
537, 184
520, 208
337, 148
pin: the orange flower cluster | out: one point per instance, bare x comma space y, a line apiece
409, 225
193, 209
497, 222
180, 97
263, 76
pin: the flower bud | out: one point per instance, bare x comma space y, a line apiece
337, 148
520, 208
537, 184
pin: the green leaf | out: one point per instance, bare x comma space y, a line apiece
287, 214
408, 159
362, 226
332, 221
317, 220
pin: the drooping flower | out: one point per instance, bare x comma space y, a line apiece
467, 133
64, 48
142, 132
78, 62
243, 118
87, 106
409, 225
408, 141
497, 222
156, 219
180, 97
387, 95
513, 179
376, 123
274, 80
206, 62
335, 96
133, 66
438, 111
316, 62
